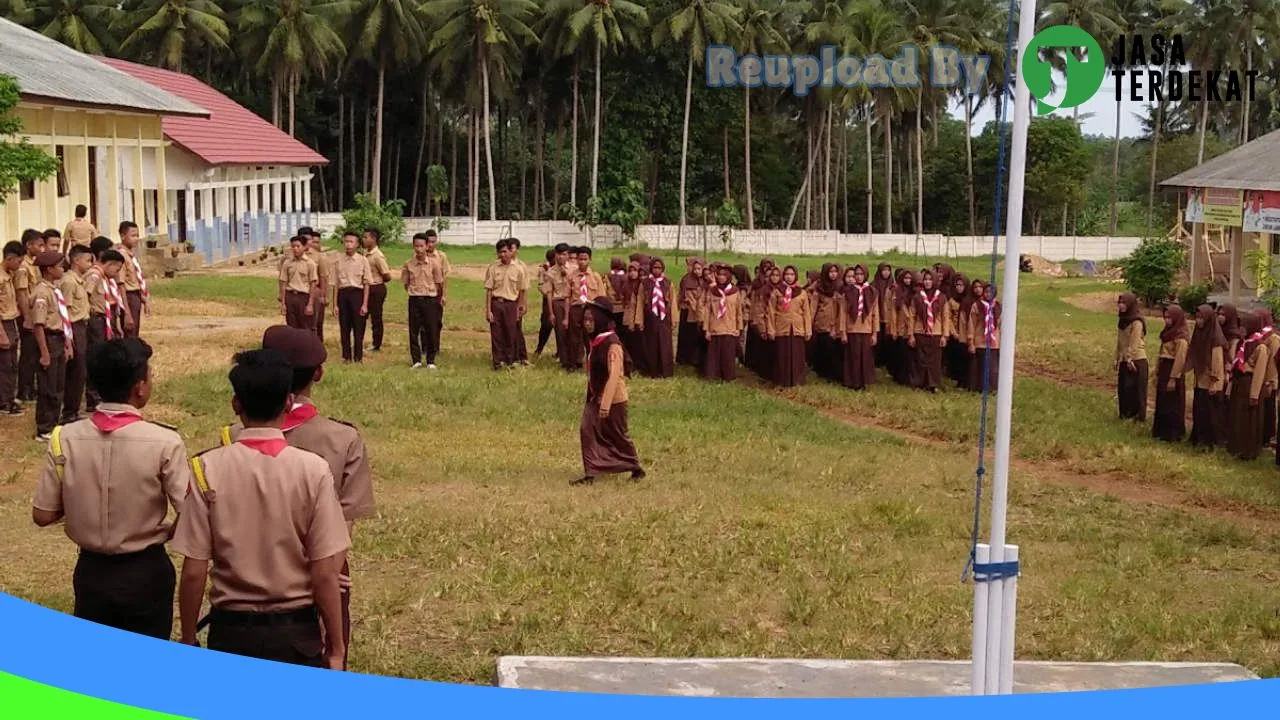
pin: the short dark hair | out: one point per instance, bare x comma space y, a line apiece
126, 226
350, 233
419, 236
430, 234
111, 255
81, 211
305, 231
31, 235
515, 242
78, 250
583, 251
261, 381
301, 239
498, 246
375, 232
14, 248
302, 377
116, 366
99, 245
52, 233
551, 254
563, 248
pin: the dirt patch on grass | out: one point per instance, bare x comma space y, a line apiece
469, 272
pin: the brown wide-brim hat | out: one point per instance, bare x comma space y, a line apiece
302, 348
603, 303
49, 258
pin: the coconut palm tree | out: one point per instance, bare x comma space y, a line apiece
760, 35
696, 23
985, 34
165, 31
875, 29
1100, 18
80, 24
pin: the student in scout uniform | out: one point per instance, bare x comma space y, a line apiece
10, 321
690, 335
546, 322
522, 348
423, 278
266, 517
984, 335
929, 332
1248, 375
789, 324
101, 288
883, 283
557, 287
956, 357
606, 445
1171, 392
136, 295
380, 275
1131, 359
828, 324
324, 268
615, 282
585, 284
725, 321
658, 296
860, 329
631, 332
299, 286
79, 231
76, 297
352, 278
505, 287
339, 443
24, 285
436, 255
1269, 386
113, 477
1207, 358
54, 340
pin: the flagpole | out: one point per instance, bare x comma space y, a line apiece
1001, 599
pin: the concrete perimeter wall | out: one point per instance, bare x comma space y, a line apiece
466, 231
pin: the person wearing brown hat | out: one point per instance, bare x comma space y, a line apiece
51, 325
338, 442
606, 445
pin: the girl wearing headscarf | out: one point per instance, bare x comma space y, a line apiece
615, 283
1232, 330
1131, 359
903, 312
1269, 385
631, 332
790, 325
984, 339
882, 284
756, 307
767, 359
1207, 357
957, 354
976, 294
690, 342
861, 314
1248, 374
725, 321
659, 300
1171, 391
929, 334
828, 322
607, 448
742, 279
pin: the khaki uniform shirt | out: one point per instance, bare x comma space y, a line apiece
734, 318
423, 278
299, 275
324, 267
594, 284
44, 308
1273, 349
1177, 351
615, 388
693, 302
797, 319
352, 271
378, 266
941, 320
8, 296
95, 287
958, 325
1261, 356
614, 295
78, 232
443, 259
633, 309
128, 275
1130, 345
116, 487
76, 295
869, 323
25, 279
506, 281
265, 521
828, 313
1215, 380
557, 283
977, 333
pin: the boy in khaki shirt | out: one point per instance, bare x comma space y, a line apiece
585, 284
324, 266
505, 285
74, 292
10, 321
380, 273
351, 280
24, 285
299, 285
423, 279
262, 520
54, 341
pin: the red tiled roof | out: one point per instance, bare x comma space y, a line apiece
231, 135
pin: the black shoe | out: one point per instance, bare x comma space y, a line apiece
584, 480
14, 409
638, 475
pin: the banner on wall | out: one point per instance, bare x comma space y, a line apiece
1262, 211
1215, 206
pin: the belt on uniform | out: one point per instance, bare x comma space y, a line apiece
299, 292
241, 618
503, 300
133, 292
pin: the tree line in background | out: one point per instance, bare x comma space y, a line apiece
596, 110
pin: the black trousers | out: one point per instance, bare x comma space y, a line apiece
77, 372
321, 307
377, 299
133, 299
292, 637
28, 361
132, 592
97, 334
546, 325
425, 320
9, 364
51, 382
351, 323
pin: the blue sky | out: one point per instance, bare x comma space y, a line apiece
1102, 107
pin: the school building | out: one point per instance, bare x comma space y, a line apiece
97, 121
234, 183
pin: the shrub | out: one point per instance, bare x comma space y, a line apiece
388, 218
1191, 297
1150, 270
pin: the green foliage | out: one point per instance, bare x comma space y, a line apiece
728, 217
437, 185
1057, 167
19, 160
1149, 272
388, 218
624, 206
1191, 297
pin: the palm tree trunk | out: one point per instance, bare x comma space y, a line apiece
471, 162
870, 181
377, 134
293, 96
488, 147
453, 172
422, 148
275, 100
888, 172
684, 147
394, 172
844, 169
559, 166
573, 144
1155, 151
1244, 135
968, 156
746, 152
539, 174
524, 168
351, 155
728, 194
1115, 177
919, 168
342, 172
827, 220
595, 155
808, 175
1204, 123
368, 145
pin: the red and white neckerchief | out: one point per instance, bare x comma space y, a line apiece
990, 316
267, 446
788, 294
108, 422
106, 295
658, 301
64, 314
1254, 338
595, 341
928, 308
861, 303
723, 307
582, 288
142, 281
298, 415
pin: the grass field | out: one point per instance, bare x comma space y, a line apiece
812, 522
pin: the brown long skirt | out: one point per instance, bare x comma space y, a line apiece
766, 365
899, 359
1170, 422
858, 362
789, 358
958, 362
828, 357
691, 342
751, 358
606, 446
633, 343
1244, 440
976, 369
882, 347
1208, 419
722, 358
658, 359
1268, 416
1131, 391
927, 362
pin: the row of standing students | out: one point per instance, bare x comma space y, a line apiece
1232, 356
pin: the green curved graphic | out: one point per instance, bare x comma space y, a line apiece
1083, 75
22, 699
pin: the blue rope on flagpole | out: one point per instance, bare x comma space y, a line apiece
985, 574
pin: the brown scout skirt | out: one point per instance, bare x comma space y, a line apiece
1170, 422
1244, 440
858, 362
606, 445
789, 367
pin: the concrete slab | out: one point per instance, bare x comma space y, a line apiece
836, 678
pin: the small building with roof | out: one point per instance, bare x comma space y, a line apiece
235, 182
99, 122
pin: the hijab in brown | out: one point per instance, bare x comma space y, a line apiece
853, 293
1132, 313
881, 283
1207, 336
931, 300
827, 286
1231, 327
742, 275
1175, 328
1253, 332
906, 288
692, 279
